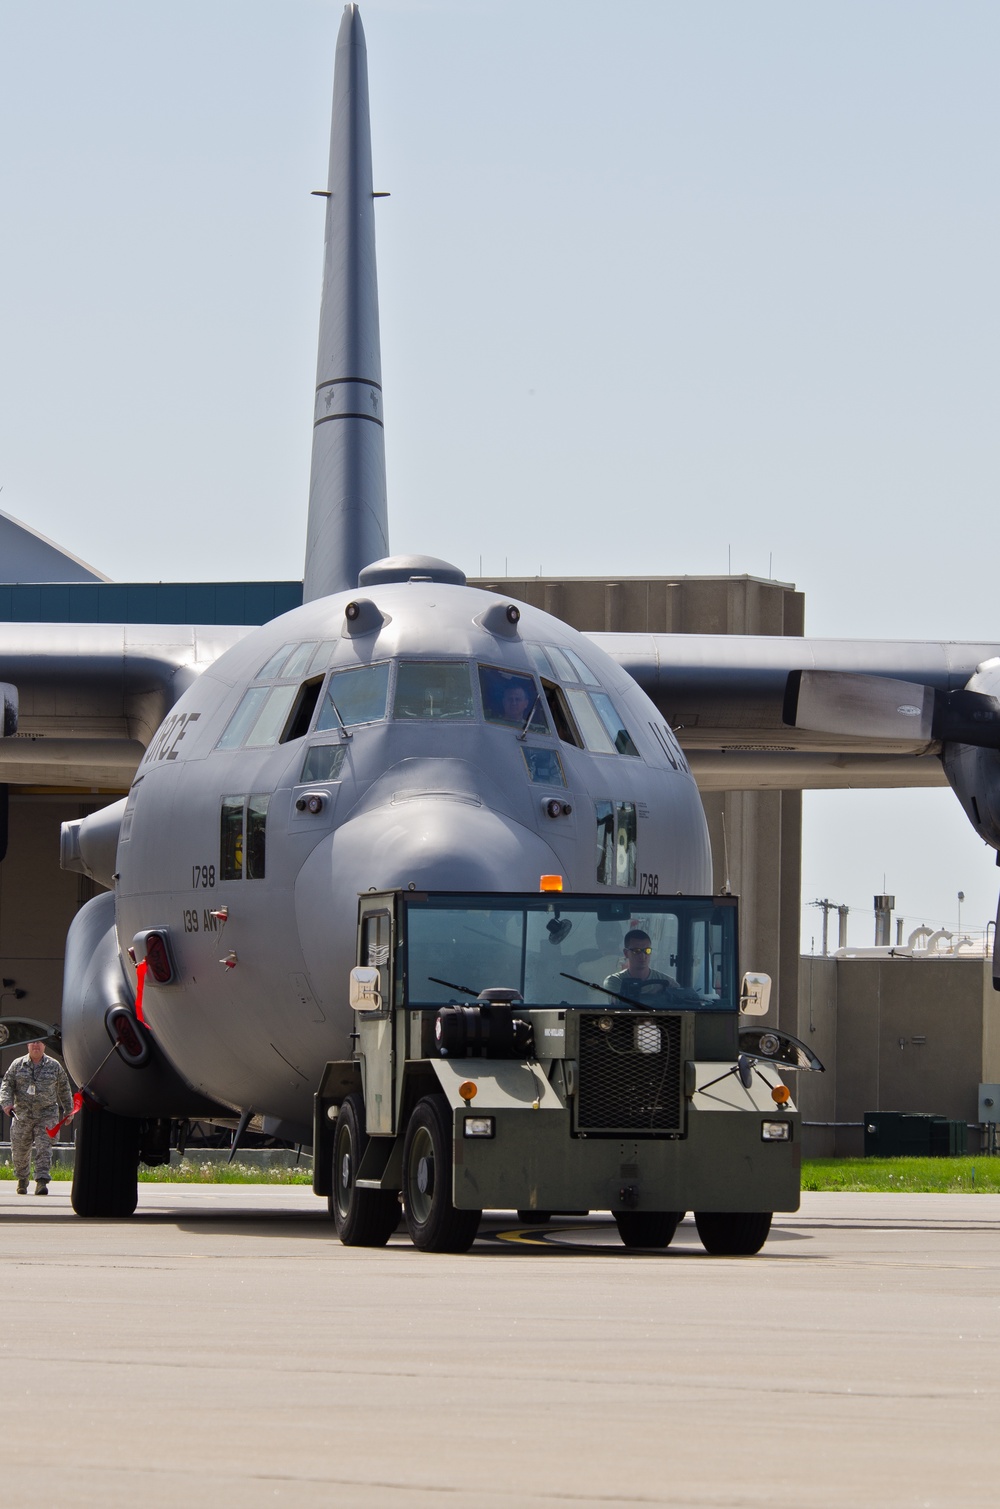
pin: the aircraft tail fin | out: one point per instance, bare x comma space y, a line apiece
348, 516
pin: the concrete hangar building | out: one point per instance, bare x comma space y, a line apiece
80, 739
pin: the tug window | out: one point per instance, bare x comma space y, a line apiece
433, 689
377, 939
358, 695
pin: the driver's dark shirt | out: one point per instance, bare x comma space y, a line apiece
650, 991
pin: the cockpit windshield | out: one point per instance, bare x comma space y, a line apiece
654, 952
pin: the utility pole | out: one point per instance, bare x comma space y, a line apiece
827, 906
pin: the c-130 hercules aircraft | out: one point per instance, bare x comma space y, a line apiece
434, 750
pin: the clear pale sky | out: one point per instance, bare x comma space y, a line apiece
662, 285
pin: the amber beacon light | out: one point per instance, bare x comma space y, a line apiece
550, 883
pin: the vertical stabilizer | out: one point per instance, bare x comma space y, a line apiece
348, 519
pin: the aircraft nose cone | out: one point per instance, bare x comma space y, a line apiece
440, 843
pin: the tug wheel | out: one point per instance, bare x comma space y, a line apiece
733, 1234
363, 1217
647, 1228
431, 1219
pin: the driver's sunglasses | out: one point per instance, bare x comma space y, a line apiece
638, 951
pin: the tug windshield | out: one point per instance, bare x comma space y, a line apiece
676, 953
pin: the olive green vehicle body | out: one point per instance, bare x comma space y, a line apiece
549, 1150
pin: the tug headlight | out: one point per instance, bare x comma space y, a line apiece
478, 1126
776, 1131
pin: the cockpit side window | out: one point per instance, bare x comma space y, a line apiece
510, 697
544, 765
583, 672
433, 689
619, 734
541, 661
266, 714
323, 762
270, 721
288, 663
561, 716
272, 668
616, 843
231, 853
564, 667
243, 837
595, 735
301, 715
357, 695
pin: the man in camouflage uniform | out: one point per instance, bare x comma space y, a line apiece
36, 1089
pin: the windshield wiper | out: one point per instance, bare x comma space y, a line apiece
466, 991
343, 726
602, 988
531, 713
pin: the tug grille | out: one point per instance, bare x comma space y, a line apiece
630, 1073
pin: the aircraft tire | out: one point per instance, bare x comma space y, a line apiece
106, 1164
363, 1217
647, 1228
431, 1219
733, 1233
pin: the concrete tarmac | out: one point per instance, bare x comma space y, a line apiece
221, 1348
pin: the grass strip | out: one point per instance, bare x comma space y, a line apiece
912, 1176
909, 1176
190, 1171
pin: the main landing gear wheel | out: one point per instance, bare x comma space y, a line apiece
733, 1234
363, 1217
647, 1228
431, 1219
106, 1164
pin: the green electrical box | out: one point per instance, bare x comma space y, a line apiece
902, 1134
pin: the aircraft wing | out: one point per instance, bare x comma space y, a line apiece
726, 697
89, 697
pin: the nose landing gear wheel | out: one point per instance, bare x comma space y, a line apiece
363, 1217
106, 1168
431, 1219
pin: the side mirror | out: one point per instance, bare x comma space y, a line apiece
755, 994
365, 989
